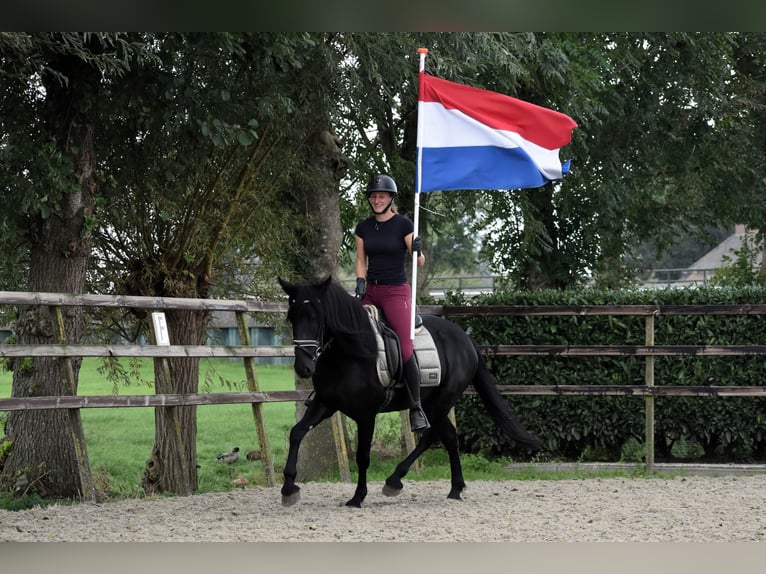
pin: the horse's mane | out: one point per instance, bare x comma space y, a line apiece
346, 318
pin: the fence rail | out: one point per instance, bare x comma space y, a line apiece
202, 351
164, 400
254, 396
627, 350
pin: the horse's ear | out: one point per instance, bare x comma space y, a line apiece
286, 287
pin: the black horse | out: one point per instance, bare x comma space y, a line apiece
335, 345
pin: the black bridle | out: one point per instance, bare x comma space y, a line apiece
318, 344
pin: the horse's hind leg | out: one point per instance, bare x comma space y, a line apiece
448, 435
448, 438
393, 485
315, 413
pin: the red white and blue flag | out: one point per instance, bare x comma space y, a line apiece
469, 138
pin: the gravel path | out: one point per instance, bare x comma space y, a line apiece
692, 509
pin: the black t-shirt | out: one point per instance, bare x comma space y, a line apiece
385, 248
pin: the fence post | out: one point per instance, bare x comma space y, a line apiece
75, 418
409, 439
649, 399
252, 385
341, 450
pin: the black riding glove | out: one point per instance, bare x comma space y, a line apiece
361, 287
417, 245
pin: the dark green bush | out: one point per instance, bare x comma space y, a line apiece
599, 427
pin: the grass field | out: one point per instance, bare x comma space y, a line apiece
119, 440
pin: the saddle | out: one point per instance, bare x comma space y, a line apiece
389, 363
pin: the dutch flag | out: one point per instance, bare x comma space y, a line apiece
469, 138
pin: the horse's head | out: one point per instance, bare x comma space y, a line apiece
305, 314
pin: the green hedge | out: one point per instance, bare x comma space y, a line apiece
611, 427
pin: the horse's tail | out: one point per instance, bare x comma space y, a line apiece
486, 387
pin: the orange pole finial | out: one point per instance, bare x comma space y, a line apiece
422, 52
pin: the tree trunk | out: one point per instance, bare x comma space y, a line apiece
172, 466
326, 165
42, 459
544, 270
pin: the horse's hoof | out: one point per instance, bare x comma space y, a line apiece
391, 491
290, 499
354, 504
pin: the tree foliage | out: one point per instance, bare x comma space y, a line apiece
667, 125
668, 122
197, 157
44, 92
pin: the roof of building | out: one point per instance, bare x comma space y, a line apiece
716, 257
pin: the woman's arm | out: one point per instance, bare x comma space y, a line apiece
361, 258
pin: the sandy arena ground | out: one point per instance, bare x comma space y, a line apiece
680, 509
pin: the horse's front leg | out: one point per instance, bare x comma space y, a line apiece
315, 414
364, 432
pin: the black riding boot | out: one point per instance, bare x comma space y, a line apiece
418, 420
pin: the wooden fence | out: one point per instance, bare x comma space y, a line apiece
256, 397
648, 350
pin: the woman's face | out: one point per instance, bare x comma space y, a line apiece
380, 201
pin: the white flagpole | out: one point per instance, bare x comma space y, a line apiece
416, 220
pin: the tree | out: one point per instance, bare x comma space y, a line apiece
312, 198
50, 96
201, 155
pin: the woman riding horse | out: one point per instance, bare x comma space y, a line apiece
383, 241
335, 345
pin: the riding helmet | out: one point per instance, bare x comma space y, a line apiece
381, 182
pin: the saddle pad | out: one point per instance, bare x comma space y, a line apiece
423, 346
428, 358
